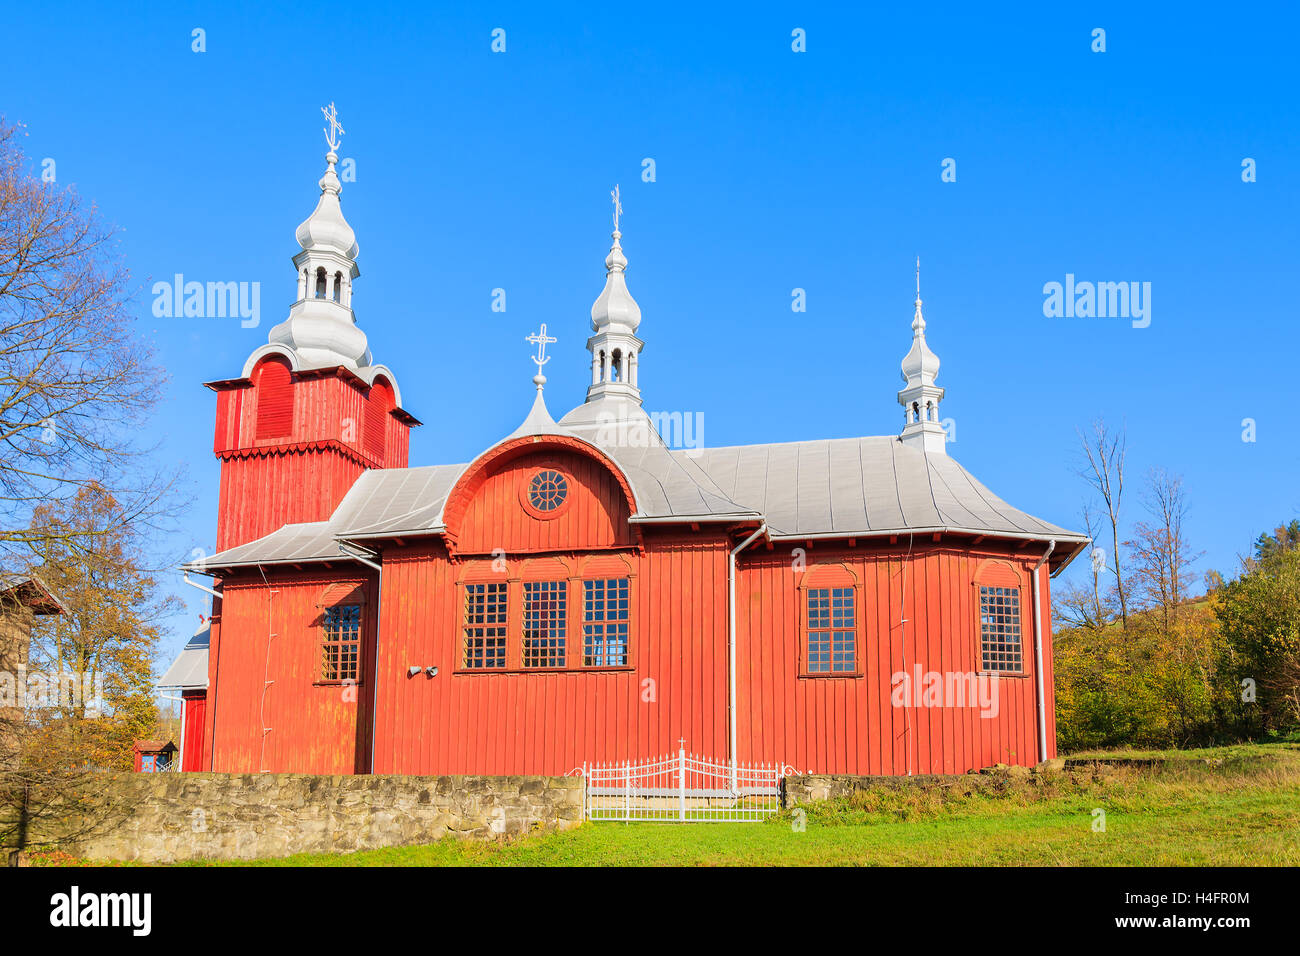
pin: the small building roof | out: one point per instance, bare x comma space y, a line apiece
31, 592
153, 746
190, 669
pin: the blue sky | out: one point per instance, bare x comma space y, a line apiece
775, 170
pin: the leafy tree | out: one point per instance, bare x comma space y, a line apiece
106, 640
1259, 613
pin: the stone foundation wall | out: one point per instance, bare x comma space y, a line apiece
812, 787
161, 818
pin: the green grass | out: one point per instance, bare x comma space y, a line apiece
1243, 811
1226, 752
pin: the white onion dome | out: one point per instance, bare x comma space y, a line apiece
326, 229
920, 366
615, 305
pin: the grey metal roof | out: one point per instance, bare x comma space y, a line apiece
864, 486
190, 669
844, 487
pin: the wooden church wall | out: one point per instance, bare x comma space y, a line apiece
674, 687
266, 660
918, 610
593, 515
300, 473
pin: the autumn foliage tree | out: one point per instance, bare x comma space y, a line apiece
106, 639
1259, 612
1145, 661
79, 496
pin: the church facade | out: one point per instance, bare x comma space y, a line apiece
581, 592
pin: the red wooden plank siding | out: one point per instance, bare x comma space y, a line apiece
273, 475
273, 635
850, 724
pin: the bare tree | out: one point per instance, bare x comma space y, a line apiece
1105, 452
1161, 553
76, 380
1085, 606
1091, 524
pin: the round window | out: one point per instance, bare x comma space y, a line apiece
547, 490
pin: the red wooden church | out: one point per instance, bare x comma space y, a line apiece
583, 592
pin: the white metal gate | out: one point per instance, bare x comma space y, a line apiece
683, 788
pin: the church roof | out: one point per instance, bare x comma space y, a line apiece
845, 487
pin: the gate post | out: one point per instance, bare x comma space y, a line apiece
681, 784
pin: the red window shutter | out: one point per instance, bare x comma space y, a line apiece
378, 404
274, 400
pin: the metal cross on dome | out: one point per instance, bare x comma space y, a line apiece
541, 340
618, 206
333, 134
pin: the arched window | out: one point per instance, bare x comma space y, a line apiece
338, 287
830, 642
1001, 619
545, 613
485, 606
321, 285
616, 367
606, 609
378, 404
274, 386
342, 608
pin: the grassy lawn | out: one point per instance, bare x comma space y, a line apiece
1245, 811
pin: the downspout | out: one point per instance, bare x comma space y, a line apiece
360, 554
1038, 654
731, 645
201, 587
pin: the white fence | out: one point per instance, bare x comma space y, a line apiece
681, 789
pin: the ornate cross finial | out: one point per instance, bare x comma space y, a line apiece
541, 340
618, 206
918, 277
333, 135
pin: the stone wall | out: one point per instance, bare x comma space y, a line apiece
161, 818
812, 787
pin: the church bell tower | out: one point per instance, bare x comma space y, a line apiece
311, 410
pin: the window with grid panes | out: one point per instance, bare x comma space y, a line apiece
831, 631
545, 606
341, 646
605, 622
485, 625
1000, 643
